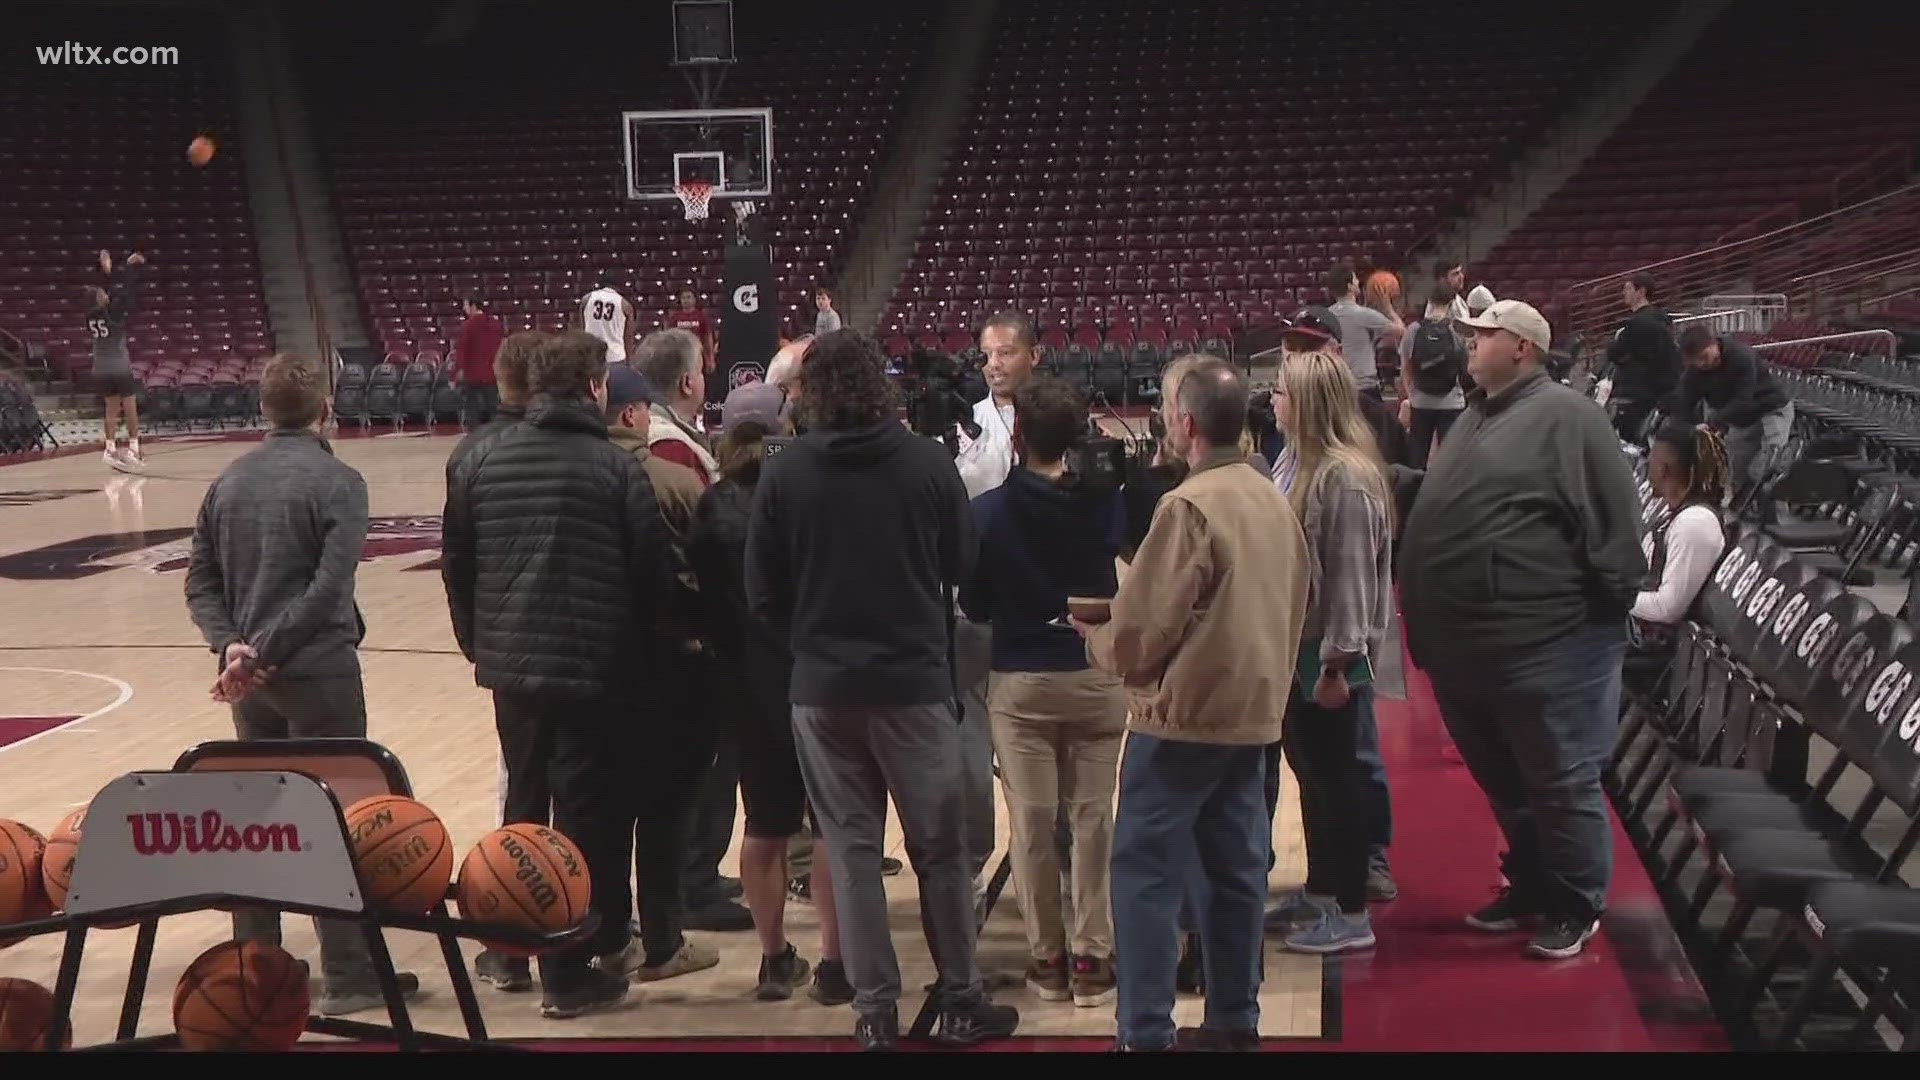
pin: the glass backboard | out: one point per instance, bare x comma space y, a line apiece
730, 148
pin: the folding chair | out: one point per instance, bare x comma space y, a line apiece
1770, 848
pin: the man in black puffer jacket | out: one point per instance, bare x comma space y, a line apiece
557, 567
528, 801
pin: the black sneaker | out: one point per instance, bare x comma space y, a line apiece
1503, 916
974, 1022
879, 1031
1380, 884
830, 985
890, 866
512, 974
596, 991
1562, 939
1214, 1040
780, 974
800, 889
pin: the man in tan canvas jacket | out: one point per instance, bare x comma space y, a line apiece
1203, 632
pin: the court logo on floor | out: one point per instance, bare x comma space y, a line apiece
167, 551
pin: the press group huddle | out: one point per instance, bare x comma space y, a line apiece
873, 622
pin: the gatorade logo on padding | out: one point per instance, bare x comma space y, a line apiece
1887, 688
1764, 599
1852, 661
1729, 566
1910, 726
1819, 634
1791, 612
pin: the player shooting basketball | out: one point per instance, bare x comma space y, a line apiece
107, 311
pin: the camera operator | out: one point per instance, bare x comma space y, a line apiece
860, 532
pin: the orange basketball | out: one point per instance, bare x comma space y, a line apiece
22, 893
401, 852
527, 877
26, 1009
241, 996
200, 151
56, 868
1383, 287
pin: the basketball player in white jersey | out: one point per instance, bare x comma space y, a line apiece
608, 316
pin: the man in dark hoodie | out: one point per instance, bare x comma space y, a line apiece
1057, 721
860, 531
1646, 362
1742, 400
1521, 561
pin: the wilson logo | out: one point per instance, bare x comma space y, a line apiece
539, 889
169, 833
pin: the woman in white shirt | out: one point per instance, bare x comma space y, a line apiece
1687, 467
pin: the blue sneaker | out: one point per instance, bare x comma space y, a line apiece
1298, 908
1333, 932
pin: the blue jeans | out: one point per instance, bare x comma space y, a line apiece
1192, 821
1535, 728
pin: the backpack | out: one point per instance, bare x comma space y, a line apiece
1438, 358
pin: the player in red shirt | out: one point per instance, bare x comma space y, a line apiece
689, 317
480, 338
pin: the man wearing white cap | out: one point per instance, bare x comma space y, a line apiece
1520, 561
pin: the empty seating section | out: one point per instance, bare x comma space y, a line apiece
447, 179
1771, 117
93, 157
1152, 163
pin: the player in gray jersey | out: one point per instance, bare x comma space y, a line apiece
107, 311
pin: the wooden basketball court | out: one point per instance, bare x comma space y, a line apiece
102, 673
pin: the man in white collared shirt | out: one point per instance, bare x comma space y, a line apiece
1012, 350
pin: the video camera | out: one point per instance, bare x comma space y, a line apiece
937, 408
1105, 463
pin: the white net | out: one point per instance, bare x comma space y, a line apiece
694, 197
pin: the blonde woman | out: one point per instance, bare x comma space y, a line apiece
1332, 474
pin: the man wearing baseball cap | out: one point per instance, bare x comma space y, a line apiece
756, 402
1520, 560
680, 756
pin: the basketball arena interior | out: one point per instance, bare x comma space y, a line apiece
1687, 228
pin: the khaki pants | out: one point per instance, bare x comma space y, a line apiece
1058, 736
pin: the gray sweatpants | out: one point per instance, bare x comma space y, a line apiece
852, 760
310, 709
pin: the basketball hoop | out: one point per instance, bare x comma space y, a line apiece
694, 195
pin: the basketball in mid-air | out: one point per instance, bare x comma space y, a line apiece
200, 151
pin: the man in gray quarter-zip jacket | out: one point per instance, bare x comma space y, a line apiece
270, 586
